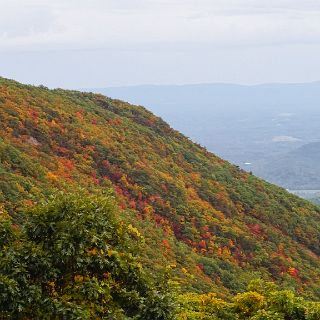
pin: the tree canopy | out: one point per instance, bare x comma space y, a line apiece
71, 258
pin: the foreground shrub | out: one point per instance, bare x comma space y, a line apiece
72, 259
262, 301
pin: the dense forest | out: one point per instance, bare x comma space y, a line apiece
73, 258
172, 209
272, 128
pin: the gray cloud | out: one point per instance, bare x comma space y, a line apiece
32, 24
80, 43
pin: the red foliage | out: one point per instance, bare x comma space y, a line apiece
34, 114
63, 151
105, 163
132, 204
206, 235
200, 266
79, 114
205, 228
118, 190
68, 164
166, 244
202, 244
116, 175
255, 229
293, 272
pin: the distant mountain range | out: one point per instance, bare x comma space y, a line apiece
270, 129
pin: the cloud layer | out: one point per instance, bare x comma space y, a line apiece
35, 24
95, 43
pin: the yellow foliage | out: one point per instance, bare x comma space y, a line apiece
92, 252
51, 176
133, 231
78, 278
110, 253
249, 302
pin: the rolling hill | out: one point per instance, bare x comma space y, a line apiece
299, 167
218, 225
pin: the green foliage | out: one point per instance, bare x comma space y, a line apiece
73, 259
271, 304
203, 306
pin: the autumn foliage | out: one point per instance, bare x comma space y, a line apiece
194, 210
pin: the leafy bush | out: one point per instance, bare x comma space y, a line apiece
262, 301
72, 259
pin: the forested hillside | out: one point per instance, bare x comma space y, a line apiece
272, 128
216, 226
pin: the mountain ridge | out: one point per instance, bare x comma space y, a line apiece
197, 84
265, 122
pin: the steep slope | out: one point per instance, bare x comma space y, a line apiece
265, 123
219, 225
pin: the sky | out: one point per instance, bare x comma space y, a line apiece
101, 43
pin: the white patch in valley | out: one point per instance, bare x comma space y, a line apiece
285, 139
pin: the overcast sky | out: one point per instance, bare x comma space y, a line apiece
99, 43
